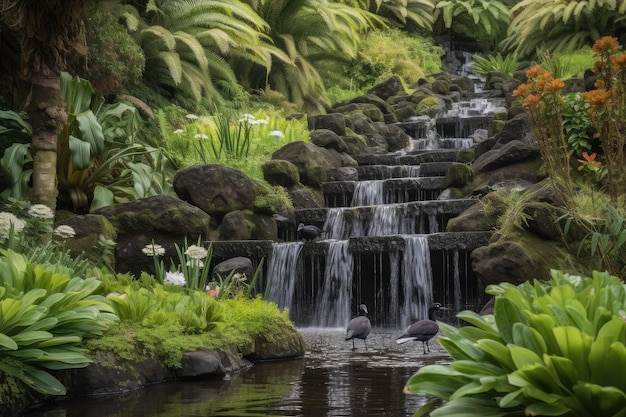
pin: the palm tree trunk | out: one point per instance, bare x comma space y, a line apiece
46, 111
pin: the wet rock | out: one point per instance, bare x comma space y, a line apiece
328, 139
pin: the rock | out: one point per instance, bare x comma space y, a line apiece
238, 264
280, 172
306, 155
505, 262
89, 229
328, 139
234, 226
390, 87
458, 175
514, 151
369, 100
163, 219
516, 128
343, 174
216, 189
335, 122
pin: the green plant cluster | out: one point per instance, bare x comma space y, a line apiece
549, 349
44, 318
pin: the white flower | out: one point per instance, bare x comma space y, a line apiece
196, 252
247, 118
277, 134
200, 136
64, 231
191, 116
195, 262
178, 131
8, 220
153, 250
41, 211
175, 278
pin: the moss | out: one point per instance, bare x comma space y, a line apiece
427, 103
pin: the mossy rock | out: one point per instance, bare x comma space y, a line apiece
458, 175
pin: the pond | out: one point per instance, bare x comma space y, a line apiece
332, 380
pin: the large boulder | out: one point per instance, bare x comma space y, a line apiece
510, 153
216, 189
310, 158
90, 230
391, 87
163, 219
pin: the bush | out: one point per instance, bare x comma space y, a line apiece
550, 349
44, 318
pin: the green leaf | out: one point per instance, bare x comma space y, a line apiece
7, 343
507, 314
81, 153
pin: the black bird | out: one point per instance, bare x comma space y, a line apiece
359, 327
308, 232
423, 330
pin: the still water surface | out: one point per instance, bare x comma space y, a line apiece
332, 380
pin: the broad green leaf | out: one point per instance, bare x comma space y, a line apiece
42, 381
91, 131
599, 400
81, 153
486, 323
528, 337
7, 343
507, 314
575, 345
31, 338
500, 352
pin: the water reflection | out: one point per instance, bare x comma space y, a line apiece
332, 380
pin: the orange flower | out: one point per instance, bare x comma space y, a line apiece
532, 99
596, 97
619, 61
554, 86
521, 90
605, 44
534, 71
598, 66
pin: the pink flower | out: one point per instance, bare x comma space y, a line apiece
214, 293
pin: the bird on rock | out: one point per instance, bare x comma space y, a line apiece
308, 232
359, 327
423, 330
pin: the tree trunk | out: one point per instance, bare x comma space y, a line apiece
46, 111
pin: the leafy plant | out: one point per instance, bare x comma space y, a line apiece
44, 317
487, 19
607, 114
507, 64
556, 25
98, 161
577, 124
550, 349
607, 244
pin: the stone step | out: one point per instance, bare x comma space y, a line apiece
444, 155
388, 191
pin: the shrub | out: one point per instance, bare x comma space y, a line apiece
550, 349
44, 318
507, 64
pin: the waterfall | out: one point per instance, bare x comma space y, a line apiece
333, 309
416, 280
368, 193
282, 271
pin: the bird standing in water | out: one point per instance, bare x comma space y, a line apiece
308, 232
423, 330
359, 327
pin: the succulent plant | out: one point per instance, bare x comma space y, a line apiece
552, 348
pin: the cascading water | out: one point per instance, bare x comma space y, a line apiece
334, 307
283, 268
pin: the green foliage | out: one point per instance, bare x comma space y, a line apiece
16, 162
486, 20
400, 13
412, 57
556, 25
187, 44
507, 64
577, 124
243, 141
44, 316
98, 162
305, 34
247, 319
606, 244
114, 59
550, 349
